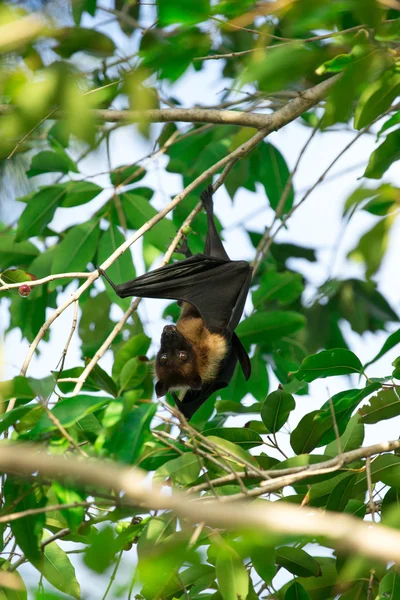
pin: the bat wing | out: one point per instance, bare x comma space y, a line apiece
216, 287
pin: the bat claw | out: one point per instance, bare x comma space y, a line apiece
206, 198
183, 248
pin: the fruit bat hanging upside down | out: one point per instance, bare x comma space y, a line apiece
201, 352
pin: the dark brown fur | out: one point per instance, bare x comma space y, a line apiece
202, 349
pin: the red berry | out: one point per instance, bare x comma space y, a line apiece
24, 290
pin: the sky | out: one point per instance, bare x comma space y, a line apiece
317, 224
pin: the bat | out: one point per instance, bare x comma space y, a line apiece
200, 353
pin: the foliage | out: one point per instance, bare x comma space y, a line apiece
60, 78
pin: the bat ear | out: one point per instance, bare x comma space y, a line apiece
161, 388
196, 383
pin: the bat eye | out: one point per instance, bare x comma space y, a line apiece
183, 355
163, 358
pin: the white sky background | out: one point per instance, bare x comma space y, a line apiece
316, 224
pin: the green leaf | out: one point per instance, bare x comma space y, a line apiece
101, 552
263, 560
389, 586
132, 375
385, 405
258, 383
372, 246
240, 456
101, 380
297, 561
39, 212
269, 326
296, 592
67, 495
345, 401
138, 211
276, 409
233, 579
336, 64
27, 531
351, 439
15, 276
58, 570
126, 175
77, 248
384, 468
328, 363
341, 494
281, 67
182, 470
68, 411
244, 437
128, 436
270, 168
51, 162
18, 387
12, 253
181, 11
80, 39
308, 433
80, 192
284, 287
136, 346
392, 122
376, 99
384, 156
391, 342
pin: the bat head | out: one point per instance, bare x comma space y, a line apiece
176, 363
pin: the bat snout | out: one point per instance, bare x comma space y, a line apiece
170, 330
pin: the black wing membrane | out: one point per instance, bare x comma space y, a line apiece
216, 287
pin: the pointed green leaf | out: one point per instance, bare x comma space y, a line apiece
51, 162
129, 434
69, 410
58, 570
182, 470
276, 409
269, 326
296, 592
233, 579
136, 346
297, 561
39, 212
384, 156
244, 437
385, 405
80, 192
391, 342
77, 248
328, 363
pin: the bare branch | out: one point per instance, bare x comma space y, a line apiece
9, 286
191, 115
279, 478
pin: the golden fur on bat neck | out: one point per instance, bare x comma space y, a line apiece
210, 348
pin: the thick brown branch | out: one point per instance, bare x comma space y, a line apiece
344, 531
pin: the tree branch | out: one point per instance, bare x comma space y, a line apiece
191, 115
344, 531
